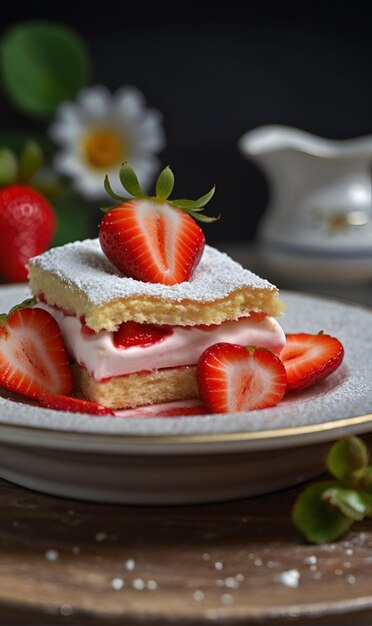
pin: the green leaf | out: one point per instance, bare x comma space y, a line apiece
129, 180
111, 192
315, 518
42, 64
30, 161
192, 204
354, 504
8, 167
165, 184
345, 457
363, 479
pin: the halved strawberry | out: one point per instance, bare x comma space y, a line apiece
196, 409
135, 334
309, 358
234, 378
33, 359
154, 240
73, 405
86, 331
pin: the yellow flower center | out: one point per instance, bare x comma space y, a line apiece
104, 148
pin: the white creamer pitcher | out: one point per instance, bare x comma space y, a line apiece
318, 224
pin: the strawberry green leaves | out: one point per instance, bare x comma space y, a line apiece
8, 167
129, 180
163, 189
165, 184
23, 169
326, 510
30, 161
30, 302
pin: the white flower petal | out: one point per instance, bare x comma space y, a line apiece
150, 134
90, 186
95, 103
68, 112
129, 105
65, 134
67, 163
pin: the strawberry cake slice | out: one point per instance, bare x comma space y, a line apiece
135, 343
138, 306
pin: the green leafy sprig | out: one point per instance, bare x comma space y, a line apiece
22, 305
163, 189
22, 170
327, 509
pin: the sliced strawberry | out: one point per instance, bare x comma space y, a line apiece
234, 378
310, 358
134, 334
196, 409
73, 405
86, 331
33, 359
152, 241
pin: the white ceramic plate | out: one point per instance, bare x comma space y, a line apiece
196, 459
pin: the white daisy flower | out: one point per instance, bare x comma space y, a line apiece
100, 131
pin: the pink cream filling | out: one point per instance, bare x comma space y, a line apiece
183, 346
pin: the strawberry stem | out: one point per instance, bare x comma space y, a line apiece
22, 305
30, 161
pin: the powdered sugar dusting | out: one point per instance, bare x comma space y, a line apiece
83, 265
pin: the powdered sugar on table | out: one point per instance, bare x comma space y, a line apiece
83, 265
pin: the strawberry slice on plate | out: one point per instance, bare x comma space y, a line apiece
135, 334
73, 405
154, 240
235, 378
310, 358
33, 359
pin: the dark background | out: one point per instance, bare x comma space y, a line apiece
217, 72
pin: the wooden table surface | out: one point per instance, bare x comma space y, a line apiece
63, 561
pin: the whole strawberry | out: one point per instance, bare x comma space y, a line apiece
27, 220
154, 240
